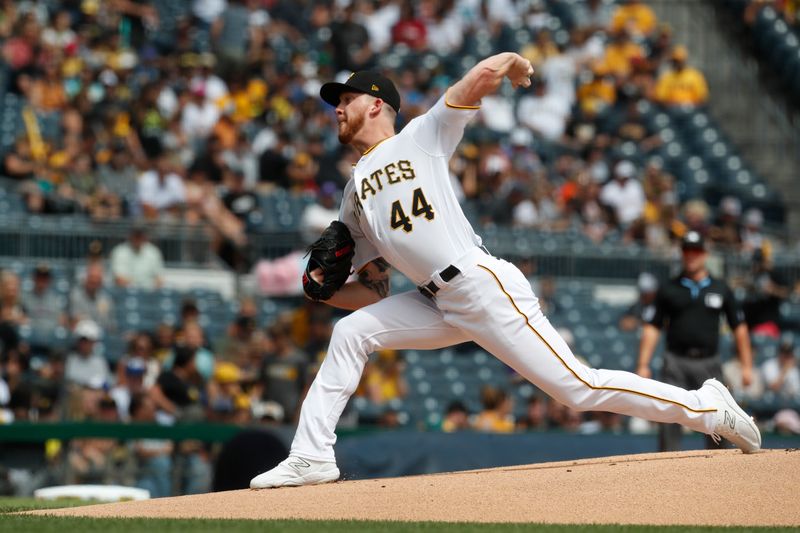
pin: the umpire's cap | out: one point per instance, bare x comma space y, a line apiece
364, 81
693, 241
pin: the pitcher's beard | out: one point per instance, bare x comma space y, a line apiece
351, 128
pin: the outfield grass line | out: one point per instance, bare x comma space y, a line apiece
47, 524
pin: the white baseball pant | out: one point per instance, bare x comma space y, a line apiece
491, 303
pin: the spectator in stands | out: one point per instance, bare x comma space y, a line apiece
163, 341
681, 85
635, 17
12, 311
59, 36
191, 336
160, 191
559, 416
596, 217
766, 292
45, 308
444, 29
732, 377
320, 328
642, 311
410, 30
599, 93
137, 263
781, 374
383, 379
199, 115
189, 314
317, 216
727, 229
624, 194
227, 399
85, 365
350, 41
545, 112
19, 163
241, 343
620, 53
753, 237
535, 417
592, 15
283, 373
6, 414
90, 300
539, 51
15, 368
238, 199
92, 460
153, 456
696, 214
47, 91
130, 383
179, 391
456, 417
273, 162
231, 33
496, 416
118, 176
140, 354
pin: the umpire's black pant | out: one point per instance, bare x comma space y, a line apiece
688, 373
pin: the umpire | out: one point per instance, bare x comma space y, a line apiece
689, 308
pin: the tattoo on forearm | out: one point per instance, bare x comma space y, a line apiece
379, 284
382, 264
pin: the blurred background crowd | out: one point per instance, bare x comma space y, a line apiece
206, 113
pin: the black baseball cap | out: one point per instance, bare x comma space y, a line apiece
363, 81
693, 241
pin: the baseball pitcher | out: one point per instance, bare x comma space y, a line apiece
400, 211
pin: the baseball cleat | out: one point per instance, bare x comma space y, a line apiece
294, 472
732, 423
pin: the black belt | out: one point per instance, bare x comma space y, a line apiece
693, 353
430, 289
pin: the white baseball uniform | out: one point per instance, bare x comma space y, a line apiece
400, 205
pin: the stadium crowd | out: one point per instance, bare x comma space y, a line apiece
191, 112
170, 112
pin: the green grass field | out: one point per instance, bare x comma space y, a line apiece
46, 524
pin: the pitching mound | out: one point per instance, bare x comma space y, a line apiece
701, 488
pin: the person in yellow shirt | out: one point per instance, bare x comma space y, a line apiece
682, 85
620, 53
636, 17
598, 94
496, 416
383, 380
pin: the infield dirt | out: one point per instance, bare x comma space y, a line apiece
690, 488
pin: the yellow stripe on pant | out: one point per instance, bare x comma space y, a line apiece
549, 347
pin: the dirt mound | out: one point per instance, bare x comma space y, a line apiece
703, 488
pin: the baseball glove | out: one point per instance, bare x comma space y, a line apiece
333, 254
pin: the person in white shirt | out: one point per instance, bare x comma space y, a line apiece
545, 112
85, 365
317, 216
781, 374
624, 194
159, 190
199, 115
137, 262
